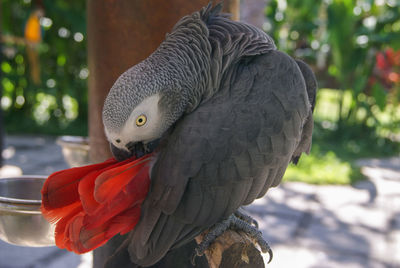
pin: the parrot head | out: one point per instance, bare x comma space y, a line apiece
151, 96
141, 106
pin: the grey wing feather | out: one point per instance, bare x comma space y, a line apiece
224, 154
306, 136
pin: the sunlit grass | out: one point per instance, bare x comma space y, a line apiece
322, 168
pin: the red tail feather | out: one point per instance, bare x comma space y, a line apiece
61, 188
71, 201
112, 181
87, 184
86, 190
124, 222
131, 195
54, 215
63, 222
81, 239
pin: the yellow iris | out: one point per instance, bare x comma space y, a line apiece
141, 120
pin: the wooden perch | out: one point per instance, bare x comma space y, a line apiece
233, 250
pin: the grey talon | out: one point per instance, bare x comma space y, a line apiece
237, 221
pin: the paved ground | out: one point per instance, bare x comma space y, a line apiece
306, 225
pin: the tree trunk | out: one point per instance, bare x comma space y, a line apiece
253, 12
232, 7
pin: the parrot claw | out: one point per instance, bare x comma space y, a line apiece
246, 218
237, 221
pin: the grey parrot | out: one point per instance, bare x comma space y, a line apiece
224, 113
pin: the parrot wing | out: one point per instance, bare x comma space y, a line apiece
224, 154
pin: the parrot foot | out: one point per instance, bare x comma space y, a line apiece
237, 221
246, 218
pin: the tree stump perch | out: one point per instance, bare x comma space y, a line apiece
233, 249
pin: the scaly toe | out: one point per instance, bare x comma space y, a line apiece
246, 218
209, 238
237, 221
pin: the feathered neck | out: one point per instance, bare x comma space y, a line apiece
230, 41
203, 46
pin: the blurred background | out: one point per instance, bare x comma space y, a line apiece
339, 207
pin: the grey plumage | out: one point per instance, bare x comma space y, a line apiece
247, 112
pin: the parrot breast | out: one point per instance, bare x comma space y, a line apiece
91, 204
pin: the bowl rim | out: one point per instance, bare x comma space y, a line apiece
18, 201
81, 142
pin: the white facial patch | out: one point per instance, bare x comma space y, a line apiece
132, 132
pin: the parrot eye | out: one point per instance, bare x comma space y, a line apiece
141, 120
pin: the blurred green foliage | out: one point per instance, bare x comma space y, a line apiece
58, 105
341, 39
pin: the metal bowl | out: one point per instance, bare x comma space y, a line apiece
21, 222
75, 150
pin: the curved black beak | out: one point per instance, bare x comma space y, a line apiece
137, 149
120, 154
